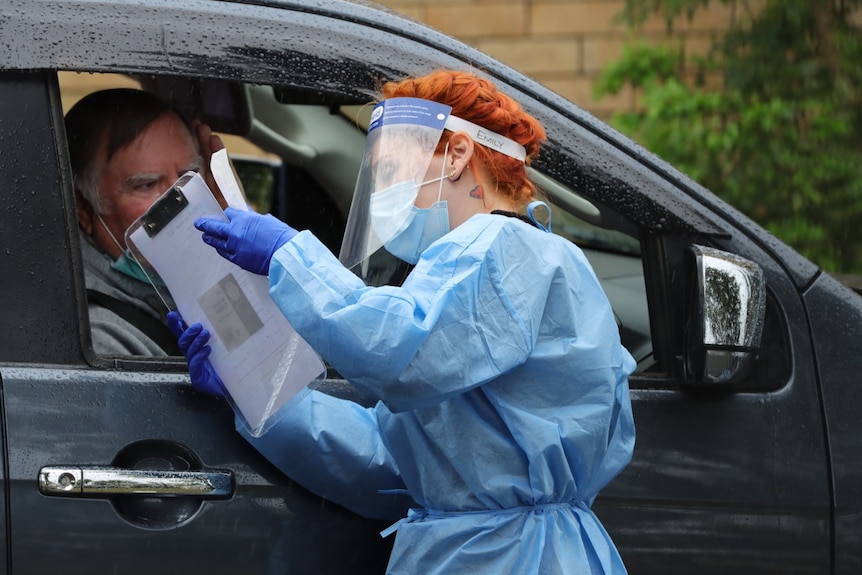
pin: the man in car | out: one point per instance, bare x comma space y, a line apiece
126, 148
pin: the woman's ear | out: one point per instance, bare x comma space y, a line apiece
459, 155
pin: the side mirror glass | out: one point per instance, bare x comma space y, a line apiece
727, 305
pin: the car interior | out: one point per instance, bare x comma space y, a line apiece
297, 155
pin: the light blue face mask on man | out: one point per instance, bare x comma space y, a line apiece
127, 265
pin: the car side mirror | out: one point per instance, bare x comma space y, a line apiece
726, 309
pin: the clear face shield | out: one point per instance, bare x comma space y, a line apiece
402, 138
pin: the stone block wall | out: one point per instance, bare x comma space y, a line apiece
564, 44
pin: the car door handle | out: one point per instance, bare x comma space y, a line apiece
114, 481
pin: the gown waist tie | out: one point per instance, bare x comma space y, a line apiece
419, 514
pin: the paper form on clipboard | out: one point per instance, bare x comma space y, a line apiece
260, 358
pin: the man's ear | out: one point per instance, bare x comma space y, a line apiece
459, 154
85, 213
208, 144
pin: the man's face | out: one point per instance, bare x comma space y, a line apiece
138, 174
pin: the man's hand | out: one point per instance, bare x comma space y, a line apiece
209, 143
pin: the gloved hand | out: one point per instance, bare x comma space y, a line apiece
193, 343
248, 239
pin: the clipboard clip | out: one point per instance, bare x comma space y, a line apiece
164, 210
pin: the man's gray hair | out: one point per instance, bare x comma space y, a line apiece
116, 117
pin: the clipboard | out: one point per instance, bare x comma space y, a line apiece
260, 358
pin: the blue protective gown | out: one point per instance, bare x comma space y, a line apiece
503, 400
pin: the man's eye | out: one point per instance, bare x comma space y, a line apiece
145, 186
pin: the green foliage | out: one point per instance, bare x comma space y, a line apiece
257, 180
781, 139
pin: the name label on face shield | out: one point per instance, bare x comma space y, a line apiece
488, 139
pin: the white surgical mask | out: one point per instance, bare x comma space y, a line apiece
426, 226
390, 209
405, 230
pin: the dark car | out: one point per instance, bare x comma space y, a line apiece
746, 396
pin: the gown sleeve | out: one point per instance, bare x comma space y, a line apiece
451, 327
334, 447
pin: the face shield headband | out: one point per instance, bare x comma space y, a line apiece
487, 138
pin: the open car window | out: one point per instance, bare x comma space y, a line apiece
297, 158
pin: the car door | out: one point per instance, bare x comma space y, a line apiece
732, 476
118, 466
723, 476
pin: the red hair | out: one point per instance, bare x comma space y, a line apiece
479, 101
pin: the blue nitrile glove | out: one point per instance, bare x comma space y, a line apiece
193, 343
248, 239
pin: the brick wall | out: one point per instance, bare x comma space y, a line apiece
564, 44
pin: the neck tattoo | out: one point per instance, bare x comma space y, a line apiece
476, 192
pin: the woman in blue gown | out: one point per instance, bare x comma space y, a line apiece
501, 384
